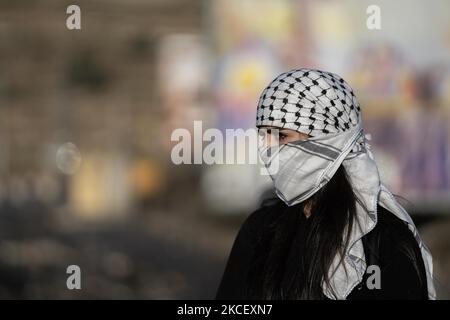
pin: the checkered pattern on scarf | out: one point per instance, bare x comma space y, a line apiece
310, 101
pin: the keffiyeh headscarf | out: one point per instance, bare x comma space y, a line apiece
323, 105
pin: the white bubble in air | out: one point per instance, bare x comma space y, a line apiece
68, 158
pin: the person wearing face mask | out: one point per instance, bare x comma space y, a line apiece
335, 231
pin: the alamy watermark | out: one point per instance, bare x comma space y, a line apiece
373, 21
73, 281
212, 146
73, 21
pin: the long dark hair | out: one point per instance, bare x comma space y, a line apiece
289, 263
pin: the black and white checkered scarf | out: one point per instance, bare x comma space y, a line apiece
323, 105
309, 101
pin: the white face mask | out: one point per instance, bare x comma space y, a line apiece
300, 168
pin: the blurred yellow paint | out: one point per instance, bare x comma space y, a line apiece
146, 178
100, 188
248, 76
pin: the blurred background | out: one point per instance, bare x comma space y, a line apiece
86, 118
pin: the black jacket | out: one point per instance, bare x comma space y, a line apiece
401, 266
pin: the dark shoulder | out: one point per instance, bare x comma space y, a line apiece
399, 258
240, 258
392, 229
393, 240
254, 226
262, 217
